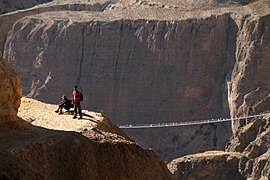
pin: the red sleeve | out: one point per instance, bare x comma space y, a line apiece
73, 96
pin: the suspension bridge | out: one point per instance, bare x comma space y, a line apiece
187, 123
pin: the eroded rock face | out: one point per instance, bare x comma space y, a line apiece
250, 95
253, 140
249, 86
11, 93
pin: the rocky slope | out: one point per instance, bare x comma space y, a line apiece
43, 145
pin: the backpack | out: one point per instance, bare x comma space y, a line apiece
81, 96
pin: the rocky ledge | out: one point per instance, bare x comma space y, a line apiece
40, 144
59, 147
208, 165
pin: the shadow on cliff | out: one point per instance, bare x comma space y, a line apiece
85, 116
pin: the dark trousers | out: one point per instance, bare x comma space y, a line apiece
77, 109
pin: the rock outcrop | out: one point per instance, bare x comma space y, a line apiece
11, 93
93, 148
252, 139
208, 165
31, 152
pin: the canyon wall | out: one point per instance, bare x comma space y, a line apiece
249, 84
134, 71
139, 66
147, 70
250, 92
248, 95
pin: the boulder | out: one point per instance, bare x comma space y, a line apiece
208, 165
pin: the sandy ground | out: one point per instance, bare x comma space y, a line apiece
43, 115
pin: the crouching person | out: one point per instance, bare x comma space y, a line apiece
65, 103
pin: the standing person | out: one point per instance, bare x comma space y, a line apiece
76, 99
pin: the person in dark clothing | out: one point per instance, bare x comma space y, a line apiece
76, 99
65, 103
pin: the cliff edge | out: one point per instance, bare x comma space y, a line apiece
40, 144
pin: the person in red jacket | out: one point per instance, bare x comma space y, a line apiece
76, 99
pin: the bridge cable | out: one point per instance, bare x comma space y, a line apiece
186, 123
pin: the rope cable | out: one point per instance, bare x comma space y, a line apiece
186, 123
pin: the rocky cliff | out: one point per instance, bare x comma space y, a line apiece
144, 61
43, 145
133, 67
248, 95
157, 61
11, 93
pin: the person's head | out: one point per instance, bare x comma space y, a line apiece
75, 87
64, 97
